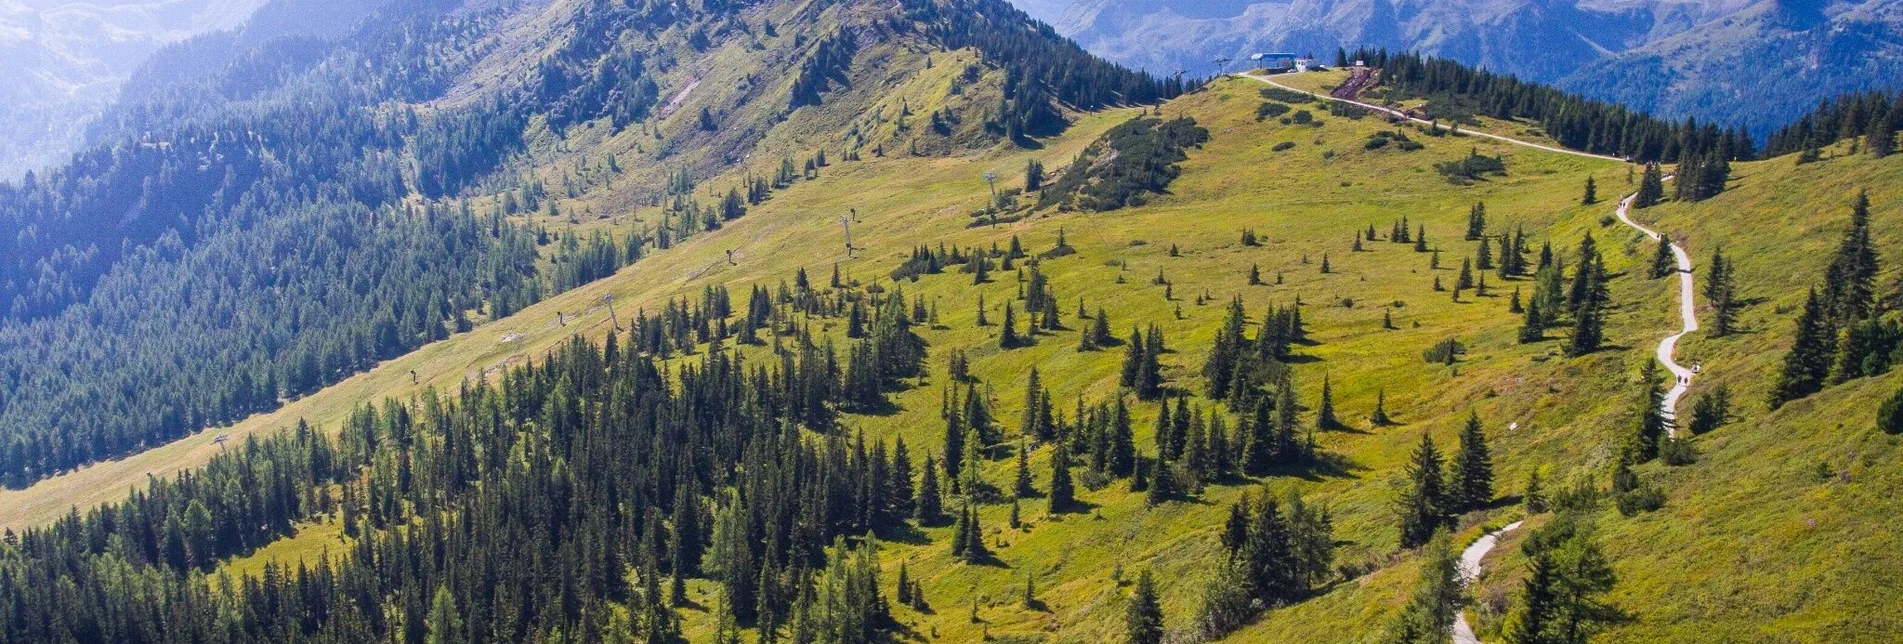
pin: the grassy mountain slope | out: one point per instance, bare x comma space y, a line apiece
1744, 507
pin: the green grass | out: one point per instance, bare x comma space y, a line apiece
1733, 556
311, 542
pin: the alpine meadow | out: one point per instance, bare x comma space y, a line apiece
856, 321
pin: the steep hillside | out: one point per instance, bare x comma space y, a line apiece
443, 154
620, 461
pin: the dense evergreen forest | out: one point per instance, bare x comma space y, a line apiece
1876, 116
1455, 90
1044, 72
255, 233
514, 510
262, 251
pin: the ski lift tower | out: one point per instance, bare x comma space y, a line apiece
846, 222
1222, 65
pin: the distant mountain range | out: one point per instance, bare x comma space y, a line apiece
1735, 61
64, 61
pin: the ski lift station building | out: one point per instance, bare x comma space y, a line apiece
1274, 61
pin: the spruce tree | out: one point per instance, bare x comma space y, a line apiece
1008, 336
1477, 221
1562, 597
1380, 416
1651, 188
1720, 294
1534, 328
1470, 482
1711, 411
1132, 360
1062, 494
1149, 384
1807, 364
1588, 332
1162, 484
1663, 263
1424, 504
1592, 193
1642, 444
1143, 616
1325, 414
444, 624
1850, 279
1021, 487
1533, 497
928, 507
1890, 414
1438, 596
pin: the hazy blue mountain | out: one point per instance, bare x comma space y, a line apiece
63, 61
1739, 61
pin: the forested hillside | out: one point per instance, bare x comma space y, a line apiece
320, 205
863, 322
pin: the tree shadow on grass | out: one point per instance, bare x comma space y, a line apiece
1325, 465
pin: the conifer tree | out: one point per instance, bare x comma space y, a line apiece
1533, 497
1325, 412
1100, 330
1380, 416
1423, 505
1132, 360
1850, 279
1663, 263
1162, 484
1021, 486
1534, 328
1258, 452
1143, 617
1008, 336
1592, 193
1588, 332
1477, 221
1720, 294
1062, 494
1122, 455
1643, 443
1890, 414
1420, 238
1149, 384
1880, 134
928, 507
1470, 482
1483, 257
1807, 364
1438, 596
1325, 268
1561, 599
444, 624
1651, 188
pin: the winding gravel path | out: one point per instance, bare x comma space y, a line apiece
1403, 115
1469, 571
1687, 313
